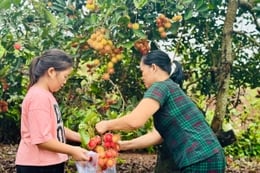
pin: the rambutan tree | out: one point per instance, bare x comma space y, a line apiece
219, 53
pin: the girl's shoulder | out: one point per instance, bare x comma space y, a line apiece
37, 98
36, 93
35, 90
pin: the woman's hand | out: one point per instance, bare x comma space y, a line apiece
124, 145
101, 127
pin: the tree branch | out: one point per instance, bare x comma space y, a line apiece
250, 38
248, 5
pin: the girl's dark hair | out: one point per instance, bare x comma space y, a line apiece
162, 60
55, 58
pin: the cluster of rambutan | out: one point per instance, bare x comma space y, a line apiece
163, 23
3, 106
104, 46
142, 46
107, 148
91, 5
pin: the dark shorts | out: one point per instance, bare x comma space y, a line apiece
165, 162
59, 168
214, 164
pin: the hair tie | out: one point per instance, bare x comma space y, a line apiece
173, 68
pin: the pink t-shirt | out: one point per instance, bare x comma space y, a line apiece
40, 122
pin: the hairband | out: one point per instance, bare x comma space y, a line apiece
173, 65
173, 68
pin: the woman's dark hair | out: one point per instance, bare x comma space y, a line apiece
55, 58
162, 60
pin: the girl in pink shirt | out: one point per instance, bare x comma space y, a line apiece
43, 147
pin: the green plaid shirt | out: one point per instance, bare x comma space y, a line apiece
182, 125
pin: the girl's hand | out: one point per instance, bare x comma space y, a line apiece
101, 127
80, 154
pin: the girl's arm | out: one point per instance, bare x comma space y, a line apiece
144, 141
55, 146
137, 118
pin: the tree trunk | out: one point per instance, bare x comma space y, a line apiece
224, 67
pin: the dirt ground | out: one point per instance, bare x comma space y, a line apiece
129, 162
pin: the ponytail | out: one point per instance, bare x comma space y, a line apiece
162, 60
55, 58
33, 76
177, 74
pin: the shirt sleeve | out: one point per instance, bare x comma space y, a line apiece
158, 91
40, 121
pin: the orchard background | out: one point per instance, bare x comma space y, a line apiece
217, 43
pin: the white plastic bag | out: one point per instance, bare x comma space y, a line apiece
110, 170
92, 165
89, 166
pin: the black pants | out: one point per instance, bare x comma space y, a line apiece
59, 168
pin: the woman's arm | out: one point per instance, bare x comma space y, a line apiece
72, 135
137, 118
144, 141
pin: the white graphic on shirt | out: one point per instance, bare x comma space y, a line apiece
60, 128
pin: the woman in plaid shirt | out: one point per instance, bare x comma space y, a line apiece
178, 122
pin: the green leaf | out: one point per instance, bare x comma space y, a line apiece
61, 2
188, 15
180, 7
4, 70
203, 8
51, 18
124, 20
93, 18
174, 29
16, 2
256, 8
213, 4
90, 115
5, 4
127, 45
187, 2
140, 34
140, 3
199, 3
2, 51
84, 137
57, 8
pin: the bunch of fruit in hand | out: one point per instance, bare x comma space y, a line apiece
106, 147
